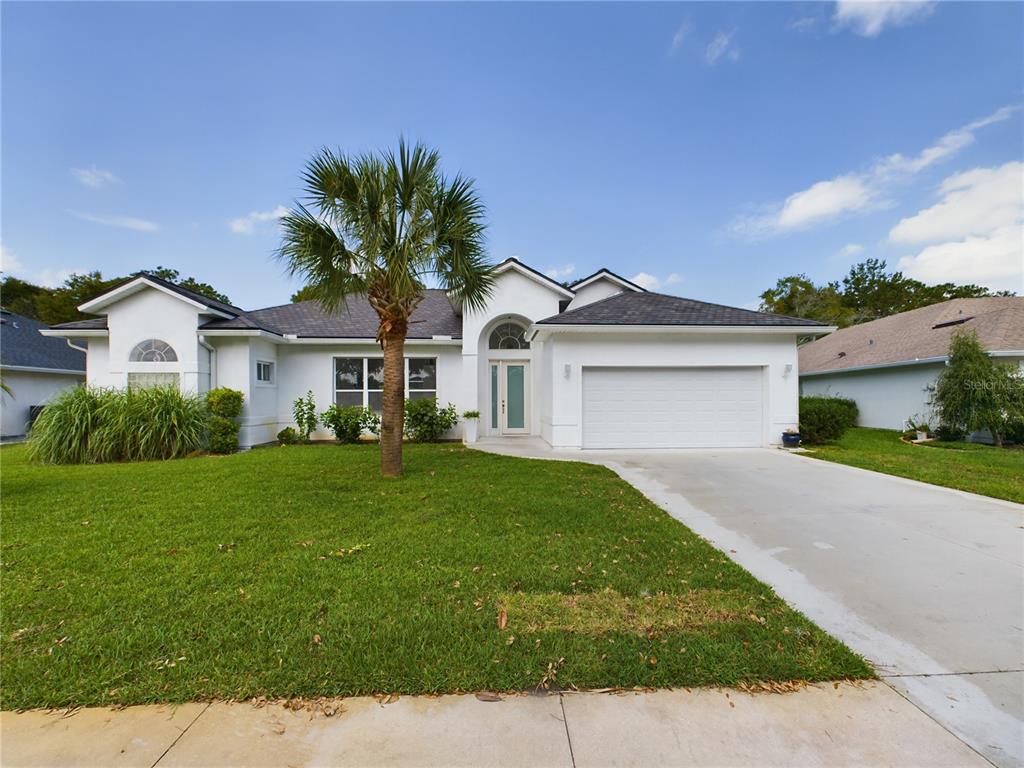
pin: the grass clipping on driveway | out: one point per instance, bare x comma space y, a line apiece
298, 571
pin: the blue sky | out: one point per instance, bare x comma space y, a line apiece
706, 149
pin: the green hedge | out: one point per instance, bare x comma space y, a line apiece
348, 423
225, 402
825, 419
224, 405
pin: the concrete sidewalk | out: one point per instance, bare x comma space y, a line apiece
822, 725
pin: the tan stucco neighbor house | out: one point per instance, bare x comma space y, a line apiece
889, 366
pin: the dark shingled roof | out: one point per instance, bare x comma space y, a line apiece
435, 316
22, 345
92, 324
629, 308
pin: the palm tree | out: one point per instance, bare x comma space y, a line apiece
381, 226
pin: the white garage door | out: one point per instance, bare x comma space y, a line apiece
672, 407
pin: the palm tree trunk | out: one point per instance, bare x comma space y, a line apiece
393, 409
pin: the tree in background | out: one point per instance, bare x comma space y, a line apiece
381, 225
306, 293
868, 292
975, 392
60, 305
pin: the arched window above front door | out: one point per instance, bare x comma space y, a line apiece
153, 351
508, 336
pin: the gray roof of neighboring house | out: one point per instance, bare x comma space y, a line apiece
647, 308
919, 334
21, 345
435, 316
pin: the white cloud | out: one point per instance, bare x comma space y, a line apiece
976, 231
945, 147
722, 46
123, 222
868, 18
995, 260
94, 177
850, 250
802, 24
246, 225
560, 273
10, 264
653, 282
974, 202
681, 33
826, 200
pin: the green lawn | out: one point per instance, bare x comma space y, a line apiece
298, 571
983, 469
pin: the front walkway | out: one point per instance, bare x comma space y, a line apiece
826, 725
927, 583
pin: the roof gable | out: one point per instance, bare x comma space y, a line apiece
142, 281
658, 309
609, 276
532, 274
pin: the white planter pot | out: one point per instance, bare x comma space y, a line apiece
469, 431
922, 436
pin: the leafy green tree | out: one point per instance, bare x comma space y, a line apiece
19, 296
60, 305
868, 292
797, 296
380, 226
306, 293
975, 392
190, 284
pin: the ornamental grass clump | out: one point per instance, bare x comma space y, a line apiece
89, 425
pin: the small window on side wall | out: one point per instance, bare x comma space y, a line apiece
264, 372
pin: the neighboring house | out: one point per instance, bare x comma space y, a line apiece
34, 368
598, 364
889, 366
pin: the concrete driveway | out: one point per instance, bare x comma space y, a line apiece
926, 583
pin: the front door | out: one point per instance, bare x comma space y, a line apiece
510, 397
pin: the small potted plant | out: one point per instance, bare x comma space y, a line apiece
791, 438
470, 420
919, 427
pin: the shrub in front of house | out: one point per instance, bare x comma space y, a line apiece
225, 402
975, 392
224, 405
304, 412
90, 425
223, 435
825, 419
288, 436
425, 422
348, 422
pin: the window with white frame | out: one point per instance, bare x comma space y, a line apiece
153, 351
360, 380
264, 372
508, 336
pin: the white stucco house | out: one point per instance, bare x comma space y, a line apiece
35, 369
889, 366
600, 363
